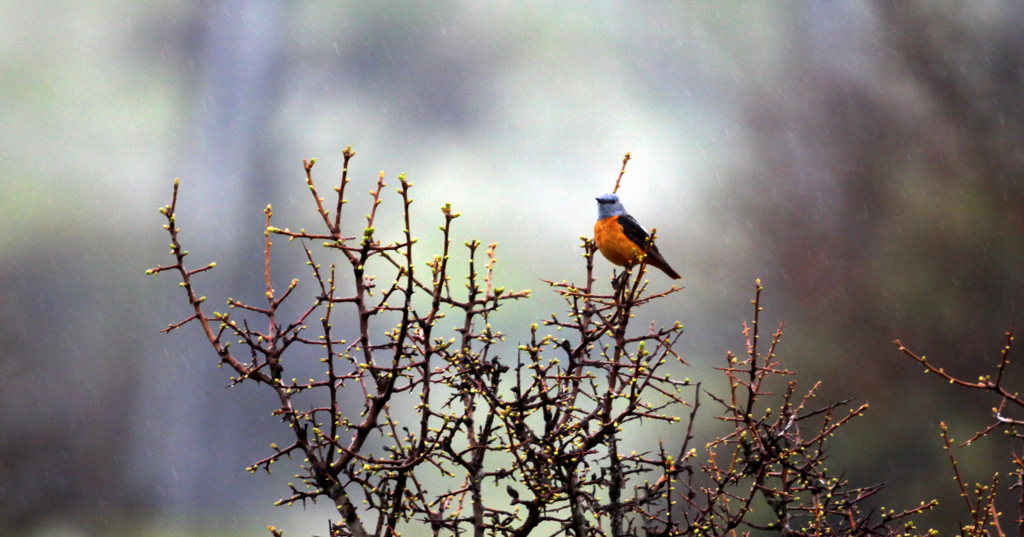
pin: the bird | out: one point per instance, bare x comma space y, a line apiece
622, 240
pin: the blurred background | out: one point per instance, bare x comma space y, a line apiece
865, 160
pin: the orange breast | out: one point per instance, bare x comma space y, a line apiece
613, 243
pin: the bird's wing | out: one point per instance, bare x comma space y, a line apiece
635, 233
638, 235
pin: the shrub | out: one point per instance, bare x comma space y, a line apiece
525, 441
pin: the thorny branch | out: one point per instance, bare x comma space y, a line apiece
412, 426
983, 512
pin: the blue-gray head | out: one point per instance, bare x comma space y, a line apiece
608, 206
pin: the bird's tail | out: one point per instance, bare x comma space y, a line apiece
654, 259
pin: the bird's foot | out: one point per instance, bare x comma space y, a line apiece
619, 280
